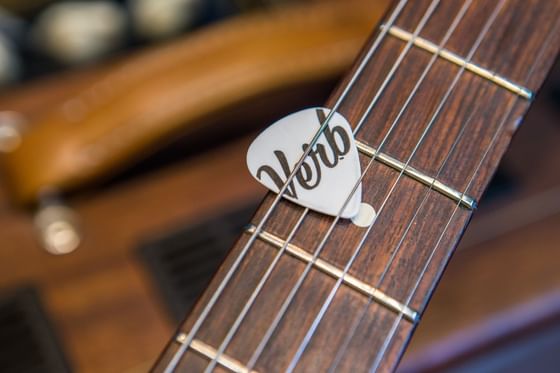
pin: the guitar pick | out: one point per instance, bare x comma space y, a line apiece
330, 170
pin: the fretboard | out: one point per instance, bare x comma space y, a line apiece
435, 98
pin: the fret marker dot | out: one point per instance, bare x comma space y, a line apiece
365, 217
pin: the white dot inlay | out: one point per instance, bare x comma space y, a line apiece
365, 217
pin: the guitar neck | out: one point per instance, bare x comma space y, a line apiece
434, 100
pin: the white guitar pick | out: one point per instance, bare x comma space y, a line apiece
330, 171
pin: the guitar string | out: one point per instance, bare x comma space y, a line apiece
170, 367
326, 304
401, 240
317, 252
358, 320
479, 166
232, 330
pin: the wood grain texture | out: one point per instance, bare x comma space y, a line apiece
478, 116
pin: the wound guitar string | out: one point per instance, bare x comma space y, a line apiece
456, 208
206, 310
287, 302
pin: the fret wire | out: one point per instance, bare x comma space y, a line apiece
483, 158
206, 310
326, 304
333, 271
291, 295
210, 352
435, 184
459, 61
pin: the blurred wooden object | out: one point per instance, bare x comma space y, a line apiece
147, 100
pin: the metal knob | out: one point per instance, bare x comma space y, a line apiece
58, 227
12, 125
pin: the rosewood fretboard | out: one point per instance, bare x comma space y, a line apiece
452, 131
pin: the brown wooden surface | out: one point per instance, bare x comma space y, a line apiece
146, 100
511, 51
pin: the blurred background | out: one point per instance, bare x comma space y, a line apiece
123, 132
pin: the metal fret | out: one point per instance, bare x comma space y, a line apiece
436, 185
351, 281
457, 60
211, 353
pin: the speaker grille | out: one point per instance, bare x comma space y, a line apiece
27, 341
182, 262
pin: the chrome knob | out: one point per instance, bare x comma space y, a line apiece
58, 227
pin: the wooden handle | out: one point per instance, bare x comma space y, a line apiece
149, 98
